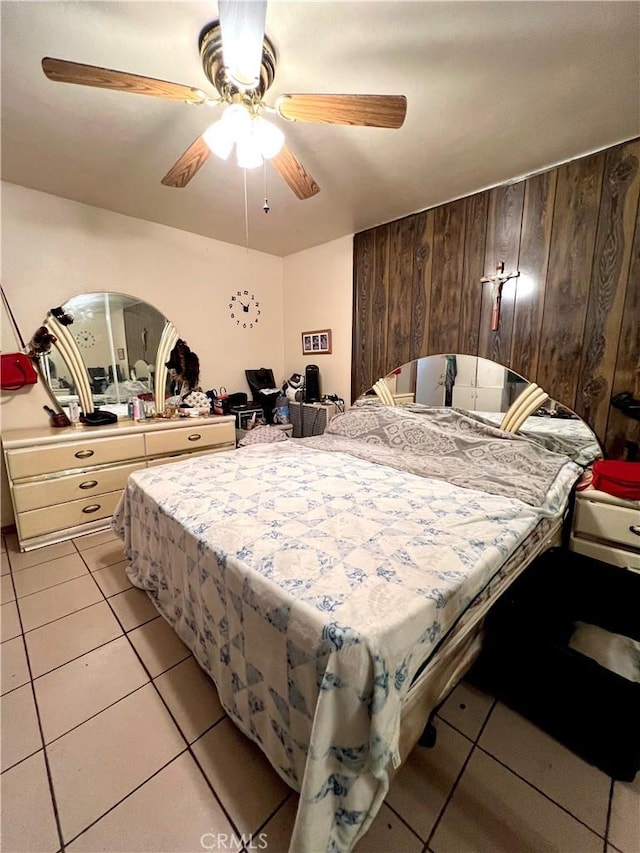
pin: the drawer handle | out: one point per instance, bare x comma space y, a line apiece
83, 454
88, 484
195, 437
635, 528
91, 508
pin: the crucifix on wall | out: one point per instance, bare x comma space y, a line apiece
496, 282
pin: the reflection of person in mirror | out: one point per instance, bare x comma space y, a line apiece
184, 369
324, 343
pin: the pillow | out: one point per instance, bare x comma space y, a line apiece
262, 435
198, 400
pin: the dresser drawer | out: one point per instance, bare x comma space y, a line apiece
27, 496
48, 459
193, 437
605, 521
37, 522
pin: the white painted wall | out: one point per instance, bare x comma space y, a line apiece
318, 288
53, 249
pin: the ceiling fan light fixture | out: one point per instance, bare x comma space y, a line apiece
219, 139
248, 153
270, 138
242, 26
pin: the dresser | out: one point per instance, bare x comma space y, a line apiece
606, 528
66, 482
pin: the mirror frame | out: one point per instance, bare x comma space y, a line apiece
69, 350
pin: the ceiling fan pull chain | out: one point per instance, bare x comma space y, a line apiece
265, 206
246, 211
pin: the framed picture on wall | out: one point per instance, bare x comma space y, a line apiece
317, 342
121, 353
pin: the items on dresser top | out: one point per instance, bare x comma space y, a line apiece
65, 482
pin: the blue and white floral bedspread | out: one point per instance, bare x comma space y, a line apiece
311, 585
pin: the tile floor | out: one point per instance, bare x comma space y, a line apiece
113, 739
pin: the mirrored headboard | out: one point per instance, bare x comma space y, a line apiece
486, 390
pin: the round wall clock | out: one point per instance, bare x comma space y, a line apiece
244, 309
85, 338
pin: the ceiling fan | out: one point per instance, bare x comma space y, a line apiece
240, 62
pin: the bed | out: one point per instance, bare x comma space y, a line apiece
334, 587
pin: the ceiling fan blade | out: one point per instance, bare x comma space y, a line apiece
365, 110
293, 172
186, 166
63, 71
242, 25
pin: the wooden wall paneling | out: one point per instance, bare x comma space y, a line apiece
477, 207
573, 234
620, 427
380, 307
504, 225
539, 199
363, 271
400, 293
446, 277
422, 266
616, 225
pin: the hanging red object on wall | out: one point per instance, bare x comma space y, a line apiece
16, 371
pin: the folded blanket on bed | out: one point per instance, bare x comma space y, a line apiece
445, 444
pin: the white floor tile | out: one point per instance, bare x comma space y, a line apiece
133, 608
624, 826
170, 812
192, 698
158, 646
548, 765
6, 589
493, 810
69, 637
122, 747
466, 709
90, 540
105, 554
58, 601
246, 784
18, 726
422, 785
28, 823
276, 834
113, 579
49, 574
388, 834
23, 560
76, 691
15, 671
9, 621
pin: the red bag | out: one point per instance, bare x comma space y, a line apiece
621, 479
16, 371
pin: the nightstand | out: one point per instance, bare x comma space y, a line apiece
606, 528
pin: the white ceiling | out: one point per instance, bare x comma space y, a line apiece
496, 90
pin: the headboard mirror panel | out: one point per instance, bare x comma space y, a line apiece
488, 390
114, 348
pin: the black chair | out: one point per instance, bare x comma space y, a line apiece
260, 381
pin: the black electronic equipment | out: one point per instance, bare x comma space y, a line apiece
312, 384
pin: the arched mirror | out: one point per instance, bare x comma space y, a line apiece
489, 392
110, 347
